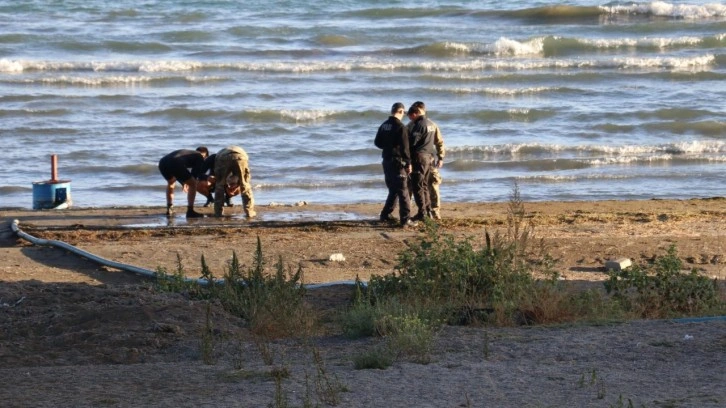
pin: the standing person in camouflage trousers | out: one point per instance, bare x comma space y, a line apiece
421, 142
434, 180
231, 168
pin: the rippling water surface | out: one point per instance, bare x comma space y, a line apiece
583, 101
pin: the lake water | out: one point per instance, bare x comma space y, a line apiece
580, 100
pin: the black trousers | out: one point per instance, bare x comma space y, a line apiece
397, 183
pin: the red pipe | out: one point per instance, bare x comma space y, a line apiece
53, 168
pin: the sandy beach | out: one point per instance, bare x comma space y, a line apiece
74, 333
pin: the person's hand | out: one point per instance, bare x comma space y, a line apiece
409, 169
185, 188
440, 164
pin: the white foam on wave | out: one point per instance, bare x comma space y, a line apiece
459, 47
531, 64
170, 66
642, 42
665, 62
686, 147
110, 80
698, 147
99, 66
506, 46
86, 81
368, 64
602, 161
560, 178
10, 66
499, 91
664, 9
307, 115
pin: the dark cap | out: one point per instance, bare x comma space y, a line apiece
397, 107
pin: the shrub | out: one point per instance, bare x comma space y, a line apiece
272, 304
467, 283
408, 336
377, 358
407, 328
663, 289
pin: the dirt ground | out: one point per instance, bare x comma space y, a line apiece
75, 333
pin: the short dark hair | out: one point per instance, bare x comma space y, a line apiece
203, 150
414, 109
419, 104
397, 107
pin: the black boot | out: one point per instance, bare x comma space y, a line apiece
193, 214
210, 200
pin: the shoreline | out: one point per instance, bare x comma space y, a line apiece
451, 210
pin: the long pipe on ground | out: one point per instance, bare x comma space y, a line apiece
152, 274
131, 268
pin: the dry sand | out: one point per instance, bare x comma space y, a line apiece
76, 334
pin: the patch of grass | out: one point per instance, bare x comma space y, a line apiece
281, 399
491, 282
272, 303
327, 386
662, 289
207, 343
444, 279
408, 329
359, 320
377, 358
408, 336
280, 372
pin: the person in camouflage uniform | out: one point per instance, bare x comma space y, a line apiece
423, 158
435, 179
231, 168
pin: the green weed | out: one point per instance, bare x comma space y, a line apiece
662, 289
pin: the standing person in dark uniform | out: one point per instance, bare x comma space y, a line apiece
435, 179
175, 167
421, 141
392, 137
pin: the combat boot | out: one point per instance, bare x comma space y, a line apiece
210, 201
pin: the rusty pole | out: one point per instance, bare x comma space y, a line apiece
53, 167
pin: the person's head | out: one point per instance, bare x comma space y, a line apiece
414, 112
203, 150
232, 181
398, 110
421, 106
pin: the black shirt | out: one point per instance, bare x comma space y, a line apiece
422, 136
393, 138
190, 159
